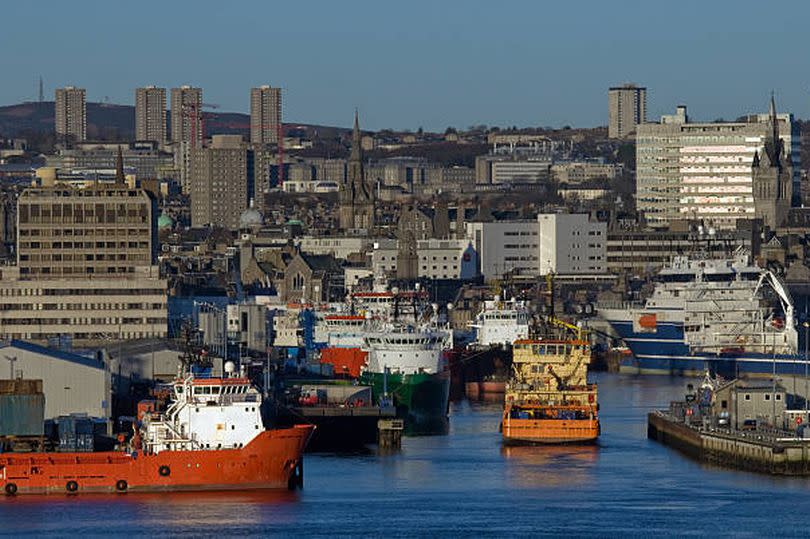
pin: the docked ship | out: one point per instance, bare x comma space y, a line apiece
500, 323
727, 316
548, 398
210, 437
406, 364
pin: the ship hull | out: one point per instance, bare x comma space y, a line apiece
271, 460
665, 352
422, 400
539, 432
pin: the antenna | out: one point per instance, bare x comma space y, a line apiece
41, 90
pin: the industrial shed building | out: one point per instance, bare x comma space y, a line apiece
71, 383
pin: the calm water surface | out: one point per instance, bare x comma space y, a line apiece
466, 483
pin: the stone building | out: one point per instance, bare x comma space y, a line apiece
356, 198
313, 279
772, 177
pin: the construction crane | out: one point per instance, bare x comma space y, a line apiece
193, 111
552, 319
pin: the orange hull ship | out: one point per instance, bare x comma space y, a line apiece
548, 399
209, 439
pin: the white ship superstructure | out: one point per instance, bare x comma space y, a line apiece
709, 308
406, 349
206, 413
501, 323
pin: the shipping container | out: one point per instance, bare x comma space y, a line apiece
22, 415
20, 387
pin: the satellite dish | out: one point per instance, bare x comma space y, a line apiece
230, 367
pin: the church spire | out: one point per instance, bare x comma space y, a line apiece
357, 150
774, 122
120, 179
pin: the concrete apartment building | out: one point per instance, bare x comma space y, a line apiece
186, 115
85, 267
220, 182
265, 114
698, 170
150, 114
627, 108
567, 244
70, 115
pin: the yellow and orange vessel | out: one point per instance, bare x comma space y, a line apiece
548, 398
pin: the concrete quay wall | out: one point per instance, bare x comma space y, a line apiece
766, 455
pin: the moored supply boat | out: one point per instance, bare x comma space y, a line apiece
500, 323
726, 315
407, 364
210, 437
548, 399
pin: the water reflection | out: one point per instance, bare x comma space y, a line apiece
550, 465
181, 510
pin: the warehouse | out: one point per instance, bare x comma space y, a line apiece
71, 383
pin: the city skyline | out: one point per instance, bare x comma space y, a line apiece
446, 65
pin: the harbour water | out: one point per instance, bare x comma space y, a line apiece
466, 483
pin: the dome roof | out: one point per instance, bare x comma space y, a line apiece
251, 217
164, 221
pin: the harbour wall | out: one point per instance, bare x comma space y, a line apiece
750, 451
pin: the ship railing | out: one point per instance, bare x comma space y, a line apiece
619, 305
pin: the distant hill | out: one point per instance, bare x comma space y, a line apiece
106, 121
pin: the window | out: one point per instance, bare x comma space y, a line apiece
748, 396
724, 404
767, 396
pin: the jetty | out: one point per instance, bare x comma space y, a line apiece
737, 424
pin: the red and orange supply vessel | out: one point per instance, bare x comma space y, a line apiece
210, 437
548, 399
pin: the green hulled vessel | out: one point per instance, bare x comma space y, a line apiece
406, 363
420, 399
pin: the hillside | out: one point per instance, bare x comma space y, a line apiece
106, 121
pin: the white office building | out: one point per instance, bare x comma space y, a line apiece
688, 170
559, 243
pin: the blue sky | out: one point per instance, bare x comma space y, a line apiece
417, 63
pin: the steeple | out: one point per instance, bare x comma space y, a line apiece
120, 179
773, 144
774, 122
357, 150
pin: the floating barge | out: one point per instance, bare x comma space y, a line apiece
345, 417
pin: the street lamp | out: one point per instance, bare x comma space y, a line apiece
806, 325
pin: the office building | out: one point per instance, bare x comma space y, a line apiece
434, 259
627, 108
70, 115
513, 168
265, 115
693, 170
150, 114
144, 159
186, 115
568, 244
85, 268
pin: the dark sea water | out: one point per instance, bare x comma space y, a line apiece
466, 483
